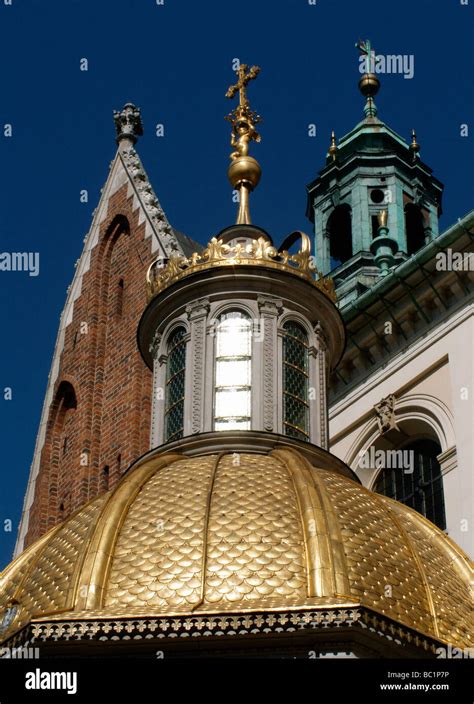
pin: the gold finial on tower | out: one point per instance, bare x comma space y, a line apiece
332, 151
414, 146
244, 171
369, 84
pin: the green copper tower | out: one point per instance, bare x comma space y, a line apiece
375, 203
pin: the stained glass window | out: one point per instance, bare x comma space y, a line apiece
421, 489
175, 377
232, 393
295, 381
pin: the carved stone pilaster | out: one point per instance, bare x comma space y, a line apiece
156, 406
321, 380
269, 309
385, 411
197, 313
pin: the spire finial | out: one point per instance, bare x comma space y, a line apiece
332, 151
414, 146
369, 84
128, 123
383, 246
244, 171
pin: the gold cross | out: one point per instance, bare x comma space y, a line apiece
244, 78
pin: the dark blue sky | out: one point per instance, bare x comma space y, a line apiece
174, 61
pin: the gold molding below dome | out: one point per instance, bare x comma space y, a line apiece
353, 625
259, 252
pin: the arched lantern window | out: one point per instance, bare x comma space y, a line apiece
295, 381
175, 378
233, 372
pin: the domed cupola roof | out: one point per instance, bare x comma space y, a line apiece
233, 543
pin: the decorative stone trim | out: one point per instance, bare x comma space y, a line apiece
217, 625
322, 383
197, 309
154, 403
183, 626
197, 313
270, 309
448, 460
270, 306
150, 203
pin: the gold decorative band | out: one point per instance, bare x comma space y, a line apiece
257, 253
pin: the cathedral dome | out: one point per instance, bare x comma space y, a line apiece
239, 533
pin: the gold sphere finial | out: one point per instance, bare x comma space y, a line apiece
369, 84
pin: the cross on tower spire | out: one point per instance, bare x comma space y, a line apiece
244, 171
241, 85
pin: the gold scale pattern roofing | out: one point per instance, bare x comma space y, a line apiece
252, 544
229, 532
45, 573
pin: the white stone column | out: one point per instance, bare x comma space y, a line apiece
156, 429
266, 386
197, 313
318, 398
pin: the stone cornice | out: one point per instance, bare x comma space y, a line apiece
417, 299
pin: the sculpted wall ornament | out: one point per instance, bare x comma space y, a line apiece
128, 123
320, 336
385, 411
155, 343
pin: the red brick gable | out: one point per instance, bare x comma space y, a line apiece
109, 425
96, 414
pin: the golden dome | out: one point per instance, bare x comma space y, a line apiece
245, 533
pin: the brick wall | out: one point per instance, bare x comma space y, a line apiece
99, 419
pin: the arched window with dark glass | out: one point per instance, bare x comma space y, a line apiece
233, 372
175, 378
339, 231
414, 228
421, 489
295, 381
